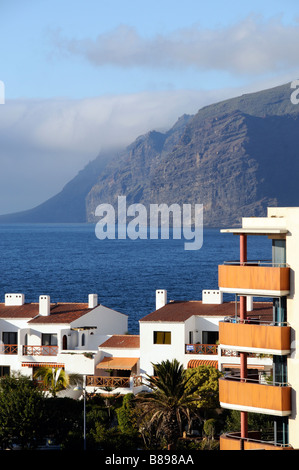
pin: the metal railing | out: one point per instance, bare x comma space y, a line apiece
257, 262
264, 380
259, 442
252, 321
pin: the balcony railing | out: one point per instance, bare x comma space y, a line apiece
113, 382
201, 349
251, 395
233, 441
8, 349
40, 350
254, 277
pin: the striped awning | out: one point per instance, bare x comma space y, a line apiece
198, 362
125, 363
42, 364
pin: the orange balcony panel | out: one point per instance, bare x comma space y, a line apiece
247, 337
256, 397
236, 278
233, 441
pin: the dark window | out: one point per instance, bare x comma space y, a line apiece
162, 337
4, 370
9, 337
49, 339
210, 337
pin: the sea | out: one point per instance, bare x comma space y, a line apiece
68, 262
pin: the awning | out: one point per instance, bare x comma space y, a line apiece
125, 363
42, 364
197, 363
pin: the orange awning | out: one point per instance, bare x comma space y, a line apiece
125, 363
197, 363
42, 364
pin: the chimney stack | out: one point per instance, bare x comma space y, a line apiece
161, 298
92, 300
14, 299
249, 303
44, 305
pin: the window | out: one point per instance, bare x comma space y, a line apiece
162, 337
49, 339
4, 370
9, 337
210, 337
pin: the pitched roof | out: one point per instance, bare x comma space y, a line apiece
20, 311
63, 313
122, 341
181, 311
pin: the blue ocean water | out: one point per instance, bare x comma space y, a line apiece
68, 262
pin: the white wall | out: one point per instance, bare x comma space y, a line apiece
155, 353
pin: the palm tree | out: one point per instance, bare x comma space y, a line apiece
170, 401
56, 379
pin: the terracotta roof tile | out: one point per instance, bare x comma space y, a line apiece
122, 341
63, 313
181, 311
20, 311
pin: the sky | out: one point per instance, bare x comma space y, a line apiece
81, 77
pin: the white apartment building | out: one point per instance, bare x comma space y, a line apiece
65, 335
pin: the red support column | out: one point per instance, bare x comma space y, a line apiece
243, 315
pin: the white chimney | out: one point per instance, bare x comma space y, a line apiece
161, 298
92, 300
249, 303
212, 297
44, 305
14, 299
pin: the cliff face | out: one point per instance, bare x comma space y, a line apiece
235, 157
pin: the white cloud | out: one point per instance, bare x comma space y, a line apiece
44, 143
252, 46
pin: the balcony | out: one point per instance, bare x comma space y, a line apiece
252, 396
40, 350
260, 338
233, 441
8, 349
254, 277
113, 382
209, 349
